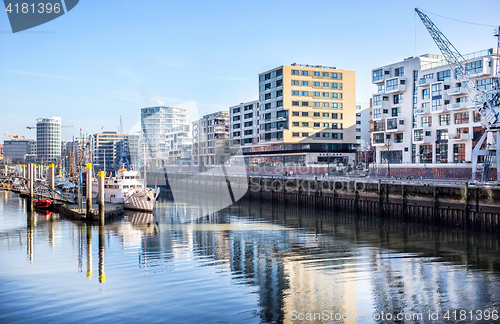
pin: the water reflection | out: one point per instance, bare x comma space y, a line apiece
250, 262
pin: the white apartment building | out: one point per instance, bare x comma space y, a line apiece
244, 123
48, 139
210, 134
165, 129
421, 114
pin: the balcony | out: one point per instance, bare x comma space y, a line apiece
457, 105
423, 110
395, 125
456, 91
425, 82
378, 139
460, 137
399, 87
438, 110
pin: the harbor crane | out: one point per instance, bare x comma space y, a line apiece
486, 102
14, 135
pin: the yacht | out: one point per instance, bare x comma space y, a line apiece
127, 188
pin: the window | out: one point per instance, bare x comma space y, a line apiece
377, 100
317, 124
249, 115
295, 82
305, 134
325, 74
304, 83
316, 73
326, 104
267, 106
429, 76
295, 113
462, 118
316, 94
305, 93
305, 103
427, 121
305, 114
335, 85
279, 103
486, 84
477, 117
392, 124
437, 90
334, 75
444, 75
326, 84
325, 94
340, 76
335, 116
399, 72
442, 135
377, 75
458, 152
248, 124
279, 83
391, 85
316, 104
335, 95
335, 105
295, 93
426, 153
236, 126
358, 122
395, 111
316, 84
317, 114
441, 152
418, 135
444, 120
335, 125
398, 138
326, 124
326, 114
236, 110
398, 99
248, 132
295, 103
305, 124
358, 130
236, 134
381, 88
437, 104
295, 72
326, 135
474, 67
295, 134
426, 94
305, 73
295, 124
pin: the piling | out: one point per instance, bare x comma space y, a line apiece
51, 176
100, 195
24, 170
6, 170
89, 189
32, 176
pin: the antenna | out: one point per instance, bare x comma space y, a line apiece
121, 125
496, 33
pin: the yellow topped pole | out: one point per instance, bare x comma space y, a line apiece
89, 189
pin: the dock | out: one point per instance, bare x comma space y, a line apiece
111, 212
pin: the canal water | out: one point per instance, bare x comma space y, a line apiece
249, 263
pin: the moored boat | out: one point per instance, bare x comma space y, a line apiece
42, 203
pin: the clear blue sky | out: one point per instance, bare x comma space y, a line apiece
104, 59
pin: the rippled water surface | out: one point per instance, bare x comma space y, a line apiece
250, 263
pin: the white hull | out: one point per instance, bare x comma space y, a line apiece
143, 200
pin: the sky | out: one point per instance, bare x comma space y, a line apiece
106, 59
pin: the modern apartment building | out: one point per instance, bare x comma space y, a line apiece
105, 151
15, 151
167, 132
48, 139
210, 136
363, 121
422, 115
244, 120
306, 116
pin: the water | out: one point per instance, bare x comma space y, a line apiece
250, 263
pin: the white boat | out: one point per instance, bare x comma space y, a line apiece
127, 188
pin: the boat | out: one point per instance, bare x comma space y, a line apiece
128, 189
42, 204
